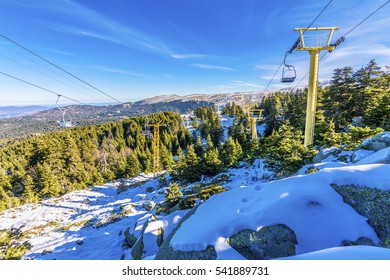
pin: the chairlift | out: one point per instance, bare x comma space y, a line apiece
146, 130
63, 123
288, 73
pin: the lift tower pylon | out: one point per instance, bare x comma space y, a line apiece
156, 146
314, 52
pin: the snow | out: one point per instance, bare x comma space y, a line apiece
320, 166
361, 154
55, 225
305, 203
330, 150
345, 253
377, 157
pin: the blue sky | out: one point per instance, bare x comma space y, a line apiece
142, 48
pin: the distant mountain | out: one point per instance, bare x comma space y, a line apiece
241, 98
49, 120
12, 126
18, 111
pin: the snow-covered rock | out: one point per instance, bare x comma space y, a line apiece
381, 156
268, 243
374, 204
307, 204
325, 153
361, 154
153, 233
378, 142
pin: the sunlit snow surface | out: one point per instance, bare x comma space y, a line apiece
90, 224
305, 203
91, 213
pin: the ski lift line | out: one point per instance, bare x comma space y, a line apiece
84, 87
366, 18
342, 38
39, 72
296, 44
310, 25
60, 68
42, 88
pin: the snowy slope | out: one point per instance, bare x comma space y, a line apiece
345, 253
305, 203
87, 224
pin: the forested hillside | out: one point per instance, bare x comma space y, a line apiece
79, 115
355, 106
59, 162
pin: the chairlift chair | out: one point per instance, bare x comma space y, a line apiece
63, 123
146, 130
288, 73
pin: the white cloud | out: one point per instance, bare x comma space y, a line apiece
212, 67
266, 67
100, 27
248, 84
117, 71
187, 56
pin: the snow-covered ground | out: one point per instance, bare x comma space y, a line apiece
87, 224
305, 203
91, 224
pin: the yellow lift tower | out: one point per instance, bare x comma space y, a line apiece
252, 120
314, 52
156, 143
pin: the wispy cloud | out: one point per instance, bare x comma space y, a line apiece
187, 56
168, 75
59, 52
212, 67
117, 71
248, 84
272, 67
93, 24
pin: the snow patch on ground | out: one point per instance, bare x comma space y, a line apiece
305, 203
345, 253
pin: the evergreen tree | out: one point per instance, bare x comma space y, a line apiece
195, 122
284, 151
210, 163
173, 194
198, 147
45, 182
229, 153
133, 167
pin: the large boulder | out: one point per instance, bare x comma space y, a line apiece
378, 142
137, 251
268, 243
361, 154
326, 153
130, 238
372, 203
166, 252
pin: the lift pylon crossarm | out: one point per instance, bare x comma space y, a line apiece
327, 46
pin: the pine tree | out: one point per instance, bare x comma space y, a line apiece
133, 167
210, 163
229, 154
173, 194
166, 159
198, 147
45, 182
29, 196
195, 122
284, 151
